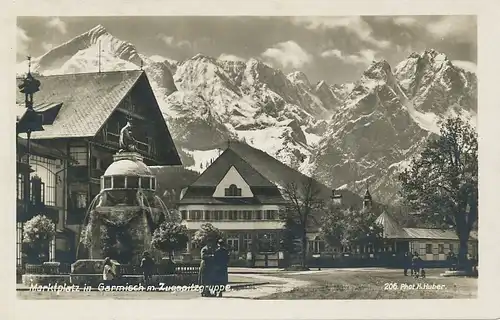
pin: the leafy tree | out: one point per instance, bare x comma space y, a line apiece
37, 233
169, 237
347, 227
207, 233
442, 182
304, 202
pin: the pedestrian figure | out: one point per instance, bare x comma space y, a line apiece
422, 270
147, 266
406, 262
108, 273
221, 262
475, 262
415, 265
451, 261
206, 274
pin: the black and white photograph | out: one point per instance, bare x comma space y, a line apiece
246, 157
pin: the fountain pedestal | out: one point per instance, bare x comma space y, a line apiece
123, 216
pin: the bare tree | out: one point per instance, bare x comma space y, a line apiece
304, 202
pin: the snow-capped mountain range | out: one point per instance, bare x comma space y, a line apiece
345, 134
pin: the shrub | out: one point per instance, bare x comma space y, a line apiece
38, 229
207, 233
37, 233
169, 237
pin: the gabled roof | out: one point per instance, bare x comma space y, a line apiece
201, 191
88, 99
391, 229
434, 234
218, 169
281, 174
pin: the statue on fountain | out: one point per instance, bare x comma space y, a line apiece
127, 141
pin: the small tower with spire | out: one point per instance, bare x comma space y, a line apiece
367, 199
336, 197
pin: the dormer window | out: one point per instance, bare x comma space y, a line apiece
232, 191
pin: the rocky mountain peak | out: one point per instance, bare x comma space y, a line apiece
97, 31
202, 57
345, 133
379, 70
299, 77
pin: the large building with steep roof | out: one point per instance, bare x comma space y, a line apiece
82, 115
237, 199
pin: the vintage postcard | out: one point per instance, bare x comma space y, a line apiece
235, 159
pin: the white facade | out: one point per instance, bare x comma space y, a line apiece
232, 177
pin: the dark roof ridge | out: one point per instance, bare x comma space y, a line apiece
228, 152
204, 171
239, 156
36, 75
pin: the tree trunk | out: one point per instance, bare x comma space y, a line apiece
304, 249
463, 263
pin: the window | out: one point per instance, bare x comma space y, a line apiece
153, 183
133, 182
46, 170
196, 214
96, 163
79, 200
452, 247
79, 154
267, 241
37, 190
440, 248
270, 214
218, 215
317, 246
246, 215
232, 191
20, 186
183, 214
206, 214
233, 215
258, 214
233, 244
247, 241
145, 182
107, 182
118, 182
19, 243
428, 248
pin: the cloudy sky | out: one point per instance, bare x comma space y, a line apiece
336, 49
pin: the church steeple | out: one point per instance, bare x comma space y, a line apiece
367, 199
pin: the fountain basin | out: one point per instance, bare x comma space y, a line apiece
122, 218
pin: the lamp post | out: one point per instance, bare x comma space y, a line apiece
29, 86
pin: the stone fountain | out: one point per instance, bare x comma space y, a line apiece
121, 219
